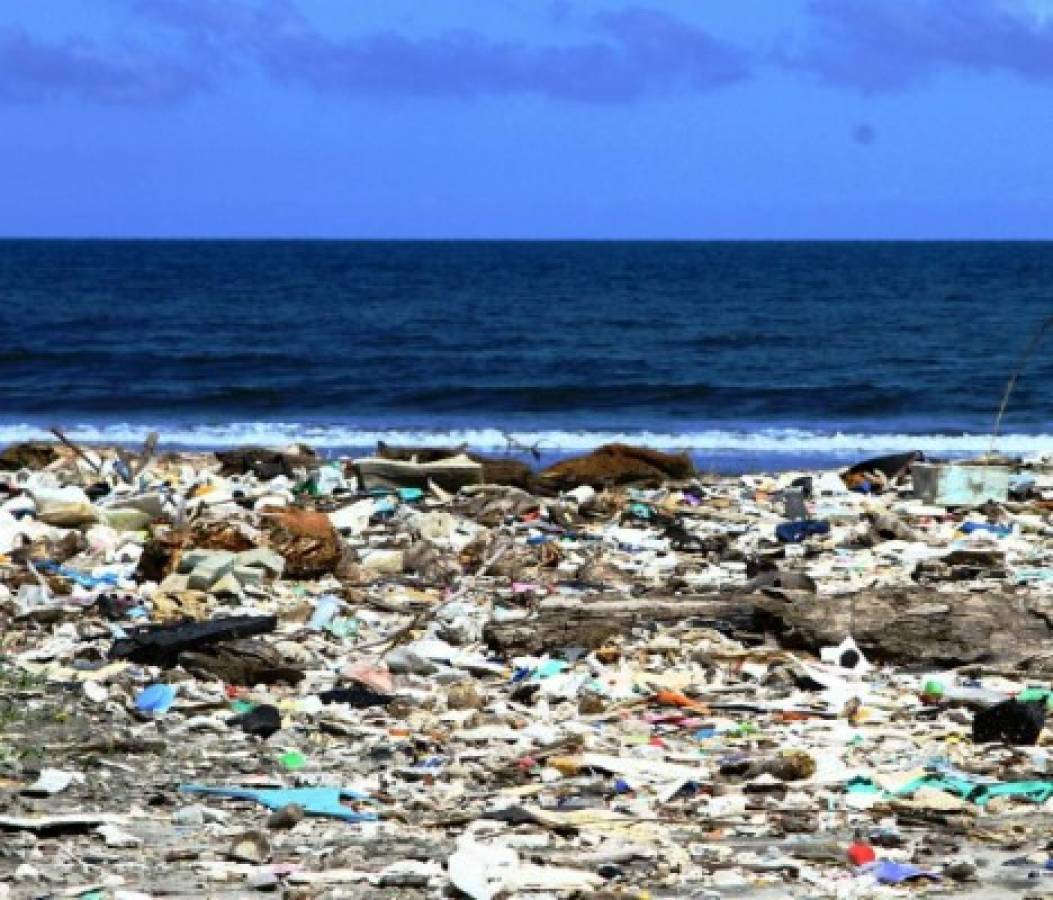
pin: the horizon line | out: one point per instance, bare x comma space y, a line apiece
518, 240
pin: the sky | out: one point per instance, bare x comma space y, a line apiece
655, 119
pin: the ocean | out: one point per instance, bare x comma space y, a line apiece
749, 355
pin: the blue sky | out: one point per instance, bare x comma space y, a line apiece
527, 118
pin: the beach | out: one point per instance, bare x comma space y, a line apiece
617, 676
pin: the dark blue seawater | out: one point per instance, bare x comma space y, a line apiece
751, 355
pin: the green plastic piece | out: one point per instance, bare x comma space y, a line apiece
1032, 694
743, 729
932, 688
343, 626
293, 760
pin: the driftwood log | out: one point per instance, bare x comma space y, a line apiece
920, 627
590, 622
906, 627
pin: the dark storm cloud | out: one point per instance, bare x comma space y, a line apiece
33, 71
888, 46
186, 47
631, 53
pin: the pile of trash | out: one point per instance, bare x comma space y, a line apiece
429, 673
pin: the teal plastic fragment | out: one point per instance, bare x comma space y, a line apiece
861, 785
979, 793
316, 801
549, 668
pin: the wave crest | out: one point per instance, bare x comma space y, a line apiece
715, 442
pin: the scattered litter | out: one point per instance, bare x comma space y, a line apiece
430, 672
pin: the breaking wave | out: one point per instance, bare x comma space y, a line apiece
717, 442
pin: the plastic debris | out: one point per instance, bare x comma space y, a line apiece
421, 675
314, 801
158, 698
262, 721
1013, 722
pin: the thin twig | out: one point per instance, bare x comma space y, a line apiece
65, 440
149, 446
1024, 357
467, 583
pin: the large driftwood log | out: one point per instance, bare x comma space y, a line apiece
909, 626
589, 622
916, 626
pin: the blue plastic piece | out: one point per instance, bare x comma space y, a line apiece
410, 494
795, 532
997, 530
85, 581
316, 801
157, 698
888, 872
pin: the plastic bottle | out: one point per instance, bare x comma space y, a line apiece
325, 608
941, 689
328, 479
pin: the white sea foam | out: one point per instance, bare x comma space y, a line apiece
769, 441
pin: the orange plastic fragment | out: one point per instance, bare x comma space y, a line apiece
681, 701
